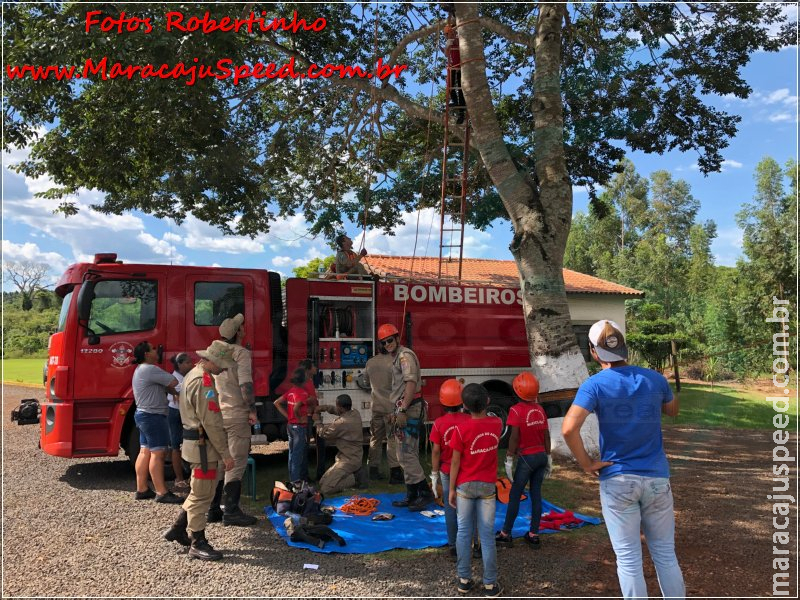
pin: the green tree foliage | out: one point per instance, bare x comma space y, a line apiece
651, 335
239, 155
718, 311
672, 209
769, 230
312, 268
27, 332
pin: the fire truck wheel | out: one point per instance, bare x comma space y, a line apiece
495, 410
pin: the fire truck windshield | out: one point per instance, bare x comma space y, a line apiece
62, 316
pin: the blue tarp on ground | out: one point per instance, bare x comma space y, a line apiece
408, 530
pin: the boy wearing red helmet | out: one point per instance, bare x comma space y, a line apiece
441, 454
530, 442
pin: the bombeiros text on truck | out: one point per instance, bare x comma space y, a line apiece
474, 333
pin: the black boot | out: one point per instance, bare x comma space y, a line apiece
362, 480
233, 515
375, 474
214, 514
396, 475
411, 496
201, 549
177, 533
424, 497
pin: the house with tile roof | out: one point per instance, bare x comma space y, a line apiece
589, 298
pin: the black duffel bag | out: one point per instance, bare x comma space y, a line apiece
27, 413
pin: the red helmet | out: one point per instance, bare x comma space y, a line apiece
387, 330
450, 393
526, 386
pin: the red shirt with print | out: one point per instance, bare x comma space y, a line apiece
532, 423
308, 386
442, 433
477, 441
297, 405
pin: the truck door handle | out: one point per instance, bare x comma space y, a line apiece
160, 352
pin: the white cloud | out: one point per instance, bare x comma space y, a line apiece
725, 166
31, 252
288, 261
477, 244
161, 247
172, 237
780, 95
731, 164
287, 232
782, 117
202, 236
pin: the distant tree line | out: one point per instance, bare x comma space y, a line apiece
644, 233
27, 331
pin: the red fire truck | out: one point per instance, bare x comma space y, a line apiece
475, 333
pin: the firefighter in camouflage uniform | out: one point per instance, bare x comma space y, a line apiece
205, 447
409, 418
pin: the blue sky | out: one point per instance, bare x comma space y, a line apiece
32, 232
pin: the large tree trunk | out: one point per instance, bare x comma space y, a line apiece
540, 214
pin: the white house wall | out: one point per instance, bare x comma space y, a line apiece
588, 308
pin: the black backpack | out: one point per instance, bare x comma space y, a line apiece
27, 413
307, 501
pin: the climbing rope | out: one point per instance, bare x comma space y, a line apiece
360, 506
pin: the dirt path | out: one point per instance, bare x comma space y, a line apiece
720, 479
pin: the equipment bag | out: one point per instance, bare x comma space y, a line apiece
27, 413
299, 497
307, 501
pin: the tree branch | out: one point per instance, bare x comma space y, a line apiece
385, 92
514, 191
506, 32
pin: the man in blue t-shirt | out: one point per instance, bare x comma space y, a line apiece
633, 469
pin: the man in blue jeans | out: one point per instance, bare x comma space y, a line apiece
635, 493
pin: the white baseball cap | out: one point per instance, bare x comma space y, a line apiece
608, 341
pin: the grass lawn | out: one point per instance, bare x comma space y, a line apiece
727, 407
23, 370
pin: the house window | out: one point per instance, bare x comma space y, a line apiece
216, 301
582, 333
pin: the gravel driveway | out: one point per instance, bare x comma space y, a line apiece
73, 528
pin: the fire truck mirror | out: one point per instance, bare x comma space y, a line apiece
85, 297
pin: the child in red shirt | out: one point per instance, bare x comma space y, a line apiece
473, 473
441, 434
530, 442
294, 406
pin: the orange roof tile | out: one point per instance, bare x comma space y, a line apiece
485, 271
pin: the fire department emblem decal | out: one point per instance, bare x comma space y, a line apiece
121, 354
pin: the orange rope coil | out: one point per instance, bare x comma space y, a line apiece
360, 506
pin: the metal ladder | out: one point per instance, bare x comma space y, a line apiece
455, 154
